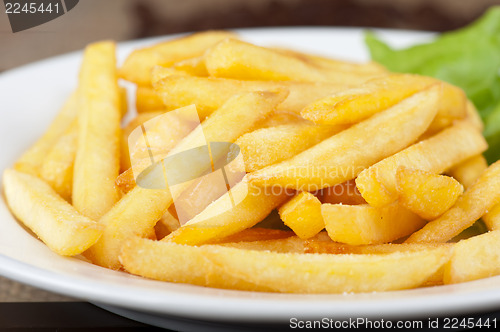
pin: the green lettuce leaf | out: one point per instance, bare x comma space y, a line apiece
468, 58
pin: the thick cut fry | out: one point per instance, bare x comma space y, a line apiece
427, 194
97, 160
194, 66
31, 160
253, 235
492, 218
267, 146
343, 156
139, 210
137, 121
57, 166
283, 118
163, 135
368, 68
222, 218
290, 244
468, 171
146, 100
344, 193
377, 184
217, 266
138, 65
359, 103
135, 214
50, 217
473, 116
208, 94
240, 60
364, 224
472, 205
303, 215
474, 258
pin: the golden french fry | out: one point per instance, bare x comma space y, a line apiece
146, 100
472, 205
137, 67
290, 244
57, 166
134, 215
97, 160
208, 93
50, 217
193, 66
473, 116
139, 210
134, 123
283, 118
222, 218
224, 267
492, 218
236, 59
303, 215
369, 68
426, 194
31, 160
123, 101
364, 224
267, 146
344, 193
378, 94
254, 234
377, 184
327, 246
343, 156
468, 171
182, 264
474, 258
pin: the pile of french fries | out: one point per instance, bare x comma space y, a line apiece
373, 173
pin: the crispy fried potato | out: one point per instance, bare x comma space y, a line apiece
361, 102
368, 68
344, 193
193, 66
240, 60
364, 224
492, 218
283, 118
139, 210
327, 246
138, 65
290, 244
222, 218
135, 214
97, 161
208, 94
474, 258
267, 146
343, 156
426, 194
377, 184
57, 166
303, 215
224, 267
50, 217
472, 205
146, 100
473, 116
134, 123
468, 171
254, 234
31, 160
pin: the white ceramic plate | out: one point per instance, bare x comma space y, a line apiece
30, 97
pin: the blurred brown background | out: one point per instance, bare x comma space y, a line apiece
121, 20
93, 20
